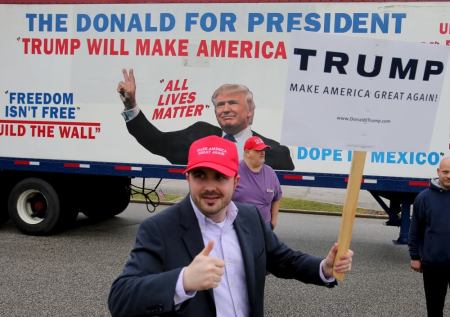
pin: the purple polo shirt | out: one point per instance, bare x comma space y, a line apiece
259, 189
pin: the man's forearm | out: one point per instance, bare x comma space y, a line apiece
274, 210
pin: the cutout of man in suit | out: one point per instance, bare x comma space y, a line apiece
208, 256
234, 108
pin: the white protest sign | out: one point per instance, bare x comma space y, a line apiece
362, 94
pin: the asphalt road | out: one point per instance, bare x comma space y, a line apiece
70, 274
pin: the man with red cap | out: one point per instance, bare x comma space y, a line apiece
258, 184
207, 256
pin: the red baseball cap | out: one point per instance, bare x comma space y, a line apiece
214, 152
255, 143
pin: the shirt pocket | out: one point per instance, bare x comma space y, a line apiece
269, 194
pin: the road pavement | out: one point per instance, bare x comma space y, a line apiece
69, 274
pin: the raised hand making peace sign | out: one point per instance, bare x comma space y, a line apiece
127, 89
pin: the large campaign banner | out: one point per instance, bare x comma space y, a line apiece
362, 94
61, 65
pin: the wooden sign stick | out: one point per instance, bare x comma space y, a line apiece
350, 205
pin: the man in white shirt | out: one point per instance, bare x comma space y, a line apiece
207, 256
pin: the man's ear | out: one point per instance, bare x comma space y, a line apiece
250, 116
237, 178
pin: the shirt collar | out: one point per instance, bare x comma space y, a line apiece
241, 137
231, 214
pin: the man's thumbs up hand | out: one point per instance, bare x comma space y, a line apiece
207, 250
204, 272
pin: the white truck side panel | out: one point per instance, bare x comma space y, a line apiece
83, 121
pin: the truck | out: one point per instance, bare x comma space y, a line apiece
65, 144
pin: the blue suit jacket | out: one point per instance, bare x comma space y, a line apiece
170, 240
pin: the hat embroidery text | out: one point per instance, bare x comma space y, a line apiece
212, 150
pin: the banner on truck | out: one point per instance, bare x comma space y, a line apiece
61, 65
362, 94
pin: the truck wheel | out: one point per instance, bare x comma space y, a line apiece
120, 201
111, 202
34, 206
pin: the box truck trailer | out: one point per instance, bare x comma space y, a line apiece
67, 145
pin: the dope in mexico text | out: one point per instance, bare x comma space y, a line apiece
337, 155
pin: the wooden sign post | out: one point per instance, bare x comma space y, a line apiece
350, 205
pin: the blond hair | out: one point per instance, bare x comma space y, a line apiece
236, 88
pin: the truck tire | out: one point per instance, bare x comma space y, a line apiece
34, 206
113, 200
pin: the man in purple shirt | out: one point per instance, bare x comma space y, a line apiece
258, 184
207, 256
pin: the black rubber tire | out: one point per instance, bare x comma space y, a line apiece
22, 214
69, 210
114, 199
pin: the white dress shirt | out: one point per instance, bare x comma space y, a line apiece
231, 296
241, 137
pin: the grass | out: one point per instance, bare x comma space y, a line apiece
300, 204
286, 203
163, 197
